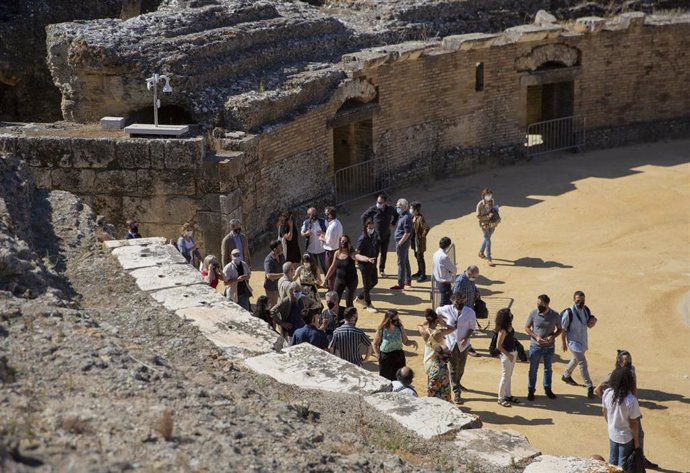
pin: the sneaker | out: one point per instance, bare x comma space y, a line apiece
422, 278
569, 380
590, 393
472, 352
360, 300
397, 287
458, 400
491, 263
549, 393
382, 274
416, 275
481, 255
372, 309
408, 283
530, 395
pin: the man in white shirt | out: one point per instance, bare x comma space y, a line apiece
444, 270
331, 240
312, 228
464, 320
576, 320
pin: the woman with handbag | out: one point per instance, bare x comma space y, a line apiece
436, 355
388, 343
507, 347
622, 413
487, 213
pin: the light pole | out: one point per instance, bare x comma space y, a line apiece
152, 83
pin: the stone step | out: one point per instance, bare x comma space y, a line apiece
428, 417
112, 244
308, 367
133, 257
497, 448
551, 464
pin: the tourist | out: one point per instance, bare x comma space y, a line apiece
330, 240
385, 218
622, 413
313, 330
543, 327
334, 313
235, 239
312, 228
349, 342
288, 237
487, 213
403, 382
444, 270
287, 314
132, 230
262, 310
237, 274
507, 346
421, 230
433, 332
624, 360
285, 280
273, 270
307, 274
403, 235
575, 322
345, 271
368, 246
388, 344
465, 284
187, 246
463, 318
211, 271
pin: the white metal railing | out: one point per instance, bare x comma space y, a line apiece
555, 135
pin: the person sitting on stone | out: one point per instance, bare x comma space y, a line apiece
285, 281
313, 330
132, 230
403, 384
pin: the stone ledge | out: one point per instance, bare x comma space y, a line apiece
111, 244
551, 464
308, 367
589, 24
428, 417
134, 257
528, 33
198, 295
466, 42
166, 276
498, 448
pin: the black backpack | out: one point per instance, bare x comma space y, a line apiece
480, 309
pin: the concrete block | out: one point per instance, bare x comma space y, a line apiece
589, 24
498, 448
628, 20
133, 257
198, 295
312, 368
110, 244
528, 33
551, 464
428, 417
233, 329
112, 123
163, 130
465, 42
165, 276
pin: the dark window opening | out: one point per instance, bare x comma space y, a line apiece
479, 77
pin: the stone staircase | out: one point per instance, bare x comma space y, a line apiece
162, 272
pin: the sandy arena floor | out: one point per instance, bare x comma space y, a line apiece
615, 224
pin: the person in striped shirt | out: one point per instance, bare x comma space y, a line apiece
350, 342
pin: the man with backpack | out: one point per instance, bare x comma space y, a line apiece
543, 327
575, 321
312, 228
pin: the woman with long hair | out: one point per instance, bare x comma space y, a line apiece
345, 270
307, 274
211, 271
507, 347
388, 343
622, 413
187, 246
287, 233
487, 213
434, 331
262, 310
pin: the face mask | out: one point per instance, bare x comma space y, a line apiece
472, 278
488, 197
580, 305
399, 210
298, 294
371, 231
330, 304
541, 308
237, 230
379, 206
313, 217
189, 234
235, 259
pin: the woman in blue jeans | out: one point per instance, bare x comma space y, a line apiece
487, 213
622, 413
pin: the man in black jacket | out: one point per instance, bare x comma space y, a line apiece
368, 245
385, 218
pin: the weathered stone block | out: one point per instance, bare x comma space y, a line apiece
90, 153
42, 177
132, 154
183, 154
500, 448
211, 226
465, 42
166, 276
111, 244
629, 20
157, 153
428, 417
73, 180
199, 295
551, 464
8, 143
589, 24
112, 123
116, 181
133, 257
528, 33
363, 60
544, 18
159, 182
309, 367
230, 203
161, 209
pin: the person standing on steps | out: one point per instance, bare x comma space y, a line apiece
385, 219
487, 213
576, 320
331, 240
404, 232
543, 327
312, 228
421, 230
444, 270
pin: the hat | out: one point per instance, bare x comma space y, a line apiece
235, 252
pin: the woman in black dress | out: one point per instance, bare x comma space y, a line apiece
345, 269
288, 236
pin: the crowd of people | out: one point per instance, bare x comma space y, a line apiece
295, 278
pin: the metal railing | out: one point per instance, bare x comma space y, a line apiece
434, 295
555, 135
361, 179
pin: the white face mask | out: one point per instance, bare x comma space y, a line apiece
371, 231
472, 278
235, 259
488, 197
189, 234
379, 206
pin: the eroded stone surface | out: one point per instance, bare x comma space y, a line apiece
111, 244
198, 295
312, 368
501, 448
165, 276
428, 417
551, 464
133, 257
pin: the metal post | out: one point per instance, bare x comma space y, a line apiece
155, 100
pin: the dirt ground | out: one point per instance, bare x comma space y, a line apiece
614, 224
